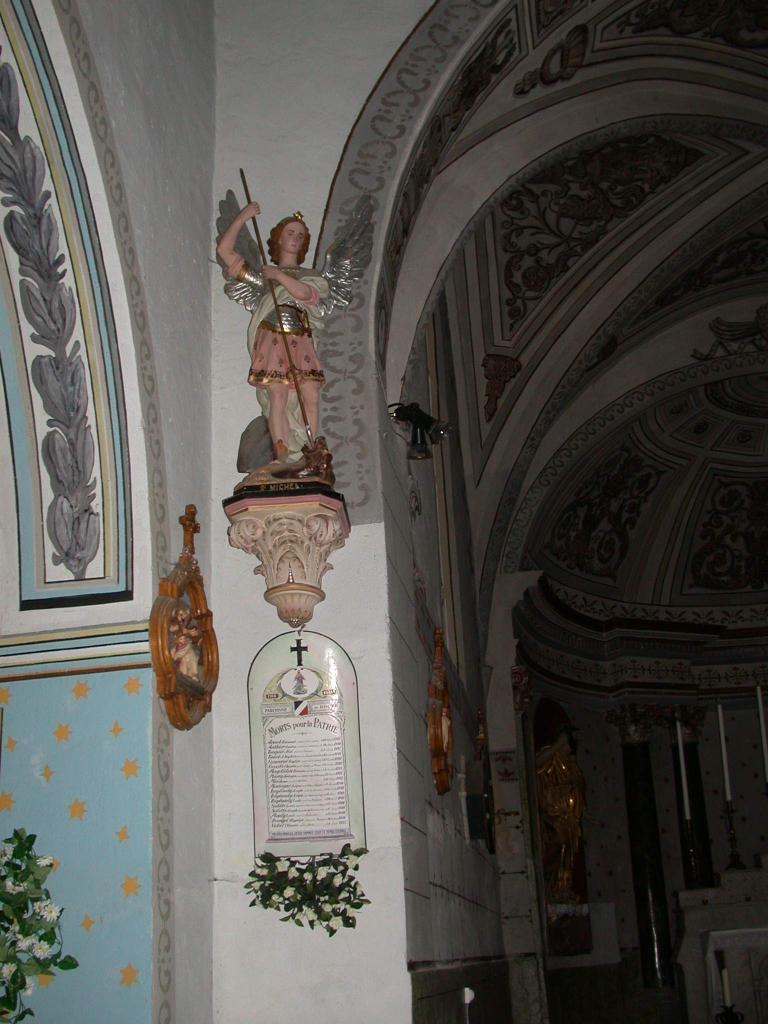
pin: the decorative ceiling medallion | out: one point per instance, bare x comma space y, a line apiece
185, 655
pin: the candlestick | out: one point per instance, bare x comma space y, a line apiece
683, 774
724, 755
763, 740
734, 860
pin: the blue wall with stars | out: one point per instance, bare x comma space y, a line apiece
76, 771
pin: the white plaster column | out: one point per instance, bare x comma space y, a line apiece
284, 109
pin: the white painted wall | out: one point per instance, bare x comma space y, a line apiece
155, 59
284, 110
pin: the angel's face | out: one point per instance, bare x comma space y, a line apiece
292, 239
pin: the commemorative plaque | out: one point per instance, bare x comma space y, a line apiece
305, 747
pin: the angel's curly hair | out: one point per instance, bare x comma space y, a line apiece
273, 243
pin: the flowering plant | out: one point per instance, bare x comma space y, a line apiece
321, 890
30, 934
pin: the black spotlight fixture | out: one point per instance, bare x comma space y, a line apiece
423, 427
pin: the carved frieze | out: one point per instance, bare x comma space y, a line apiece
593, 532
560, 64
563, 211
739, 23
741, 258
549, 13
732, 337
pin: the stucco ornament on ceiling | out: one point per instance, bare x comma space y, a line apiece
740, 23
563, 211
733, 551
594, 532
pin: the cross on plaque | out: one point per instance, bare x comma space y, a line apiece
191, 526
298, 649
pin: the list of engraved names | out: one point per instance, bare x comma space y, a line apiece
306, 777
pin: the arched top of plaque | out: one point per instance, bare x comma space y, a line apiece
305, 744
185, 655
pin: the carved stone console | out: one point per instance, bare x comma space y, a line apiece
292, 535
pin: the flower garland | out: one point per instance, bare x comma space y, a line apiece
322, 890
30, 934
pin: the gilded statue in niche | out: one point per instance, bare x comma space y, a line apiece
288, 304
561, 792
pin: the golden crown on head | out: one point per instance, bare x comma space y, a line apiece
298, 215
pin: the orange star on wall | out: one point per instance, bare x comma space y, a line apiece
10, 744
44, 980
77, 809
47, 773
87, 923
116, 729
128, 975
130, 769
6, 801
81, 690
62, 732
55, 864
5, 694
132, 684
122, 834
130, 885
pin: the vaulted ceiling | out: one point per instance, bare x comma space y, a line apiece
598, 176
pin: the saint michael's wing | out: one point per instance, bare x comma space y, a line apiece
244, 292
347, 257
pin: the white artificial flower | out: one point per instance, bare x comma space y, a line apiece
283, 865
293, 873
12, 887
326, 908
310, 914
353, 861
47, 910
45, 862
6, 971
307, 876
24, 944
322, 872
335, 922
262, 871
337, 880
5, 853
40, 950
289, 891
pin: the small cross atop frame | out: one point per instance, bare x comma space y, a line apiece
191, 526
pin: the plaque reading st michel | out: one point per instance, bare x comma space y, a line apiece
305, 744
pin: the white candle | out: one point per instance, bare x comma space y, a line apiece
726, 987
763, 740
683, 776
724, 755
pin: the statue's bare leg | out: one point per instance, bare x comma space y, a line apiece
278, 420
310, 392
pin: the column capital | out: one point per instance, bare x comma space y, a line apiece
691, 718
635, 721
